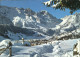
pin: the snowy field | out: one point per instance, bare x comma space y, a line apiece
54, 49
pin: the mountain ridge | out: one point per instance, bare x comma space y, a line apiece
69, 28
38, 22
24, 16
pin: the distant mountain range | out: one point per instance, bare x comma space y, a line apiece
26, 18
38, 22
26, 23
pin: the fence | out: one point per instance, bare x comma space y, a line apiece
76, 49
7, 47
32, 43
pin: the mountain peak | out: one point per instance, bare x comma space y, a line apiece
29, 18
69, 23
29, 11
44, 12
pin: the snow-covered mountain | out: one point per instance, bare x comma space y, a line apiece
5, 21
28, 18
69, 26
39, 22
17, 23
69, 23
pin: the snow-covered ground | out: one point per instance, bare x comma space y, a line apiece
54, 49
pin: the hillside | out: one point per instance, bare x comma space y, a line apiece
69, 27
28, 18
38, 22
42, 23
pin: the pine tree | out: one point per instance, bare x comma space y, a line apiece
73, 5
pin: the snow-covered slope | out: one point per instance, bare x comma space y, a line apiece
39, 22
47, 19
5, 21
69, 23
28, 18
68, 28
54, 49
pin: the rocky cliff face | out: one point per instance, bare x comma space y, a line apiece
5, 21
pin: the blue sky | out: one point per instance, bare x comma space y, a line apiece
36, 5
